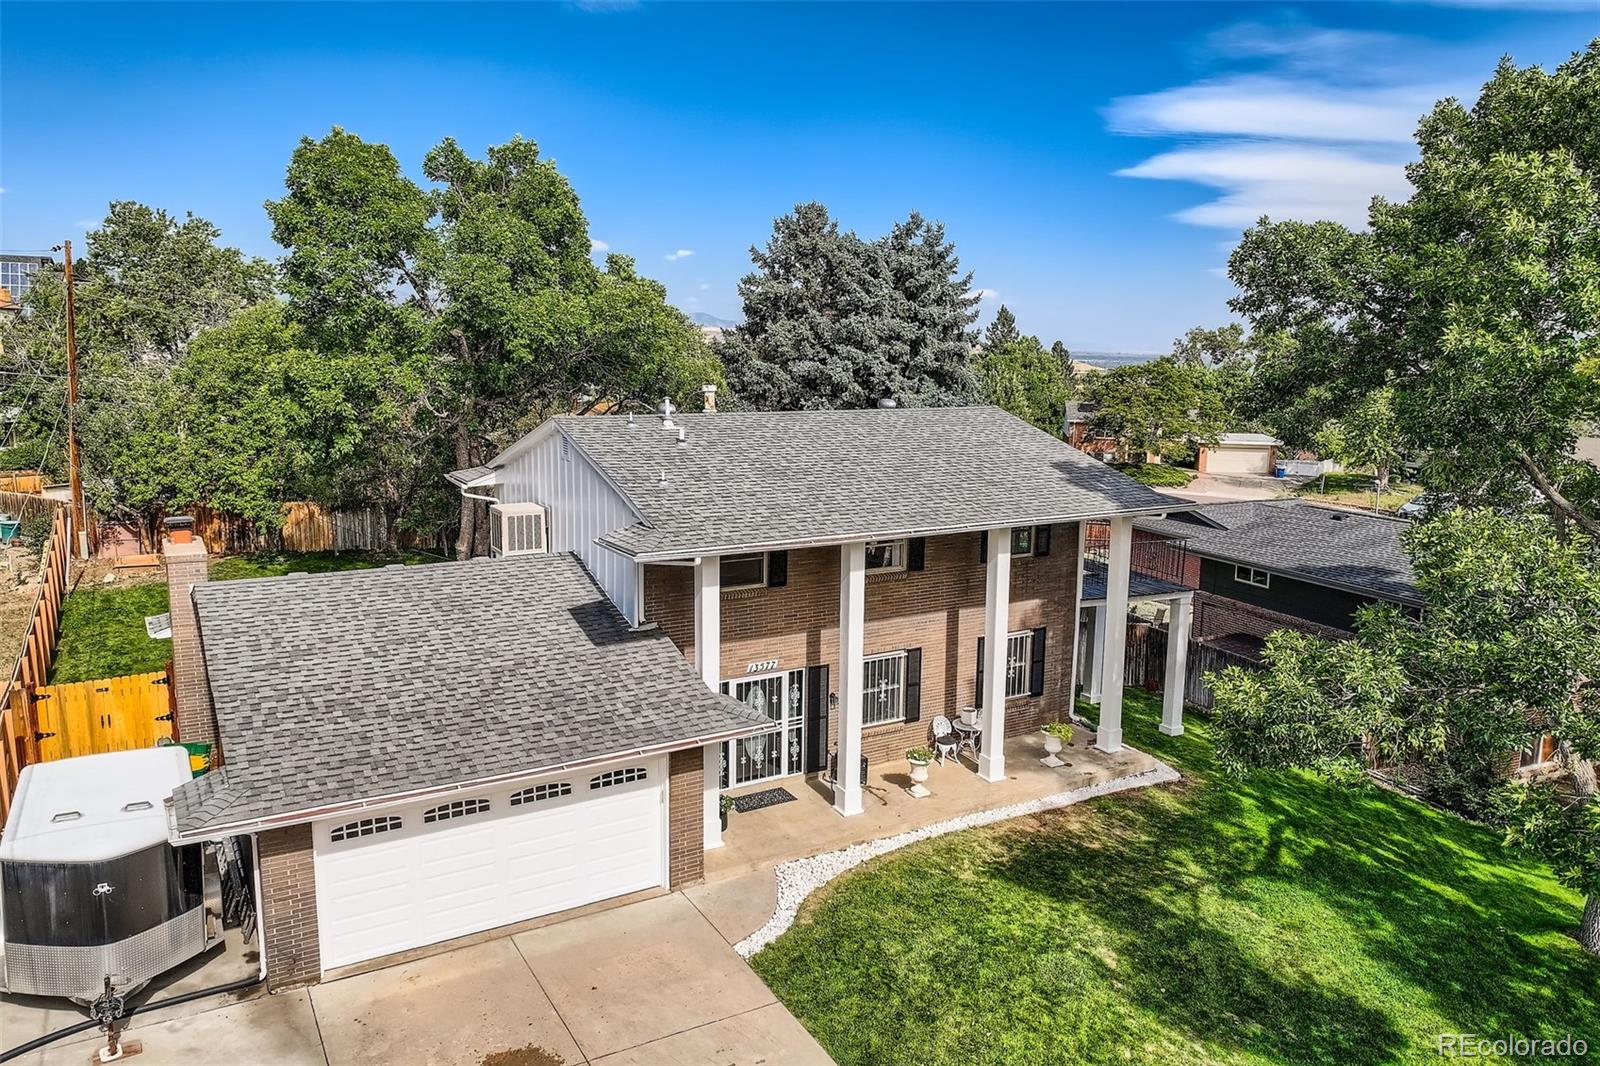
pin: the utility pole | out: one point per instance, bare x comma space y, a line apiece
74, 471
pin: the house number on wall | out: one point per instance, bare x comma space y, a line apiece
762, 666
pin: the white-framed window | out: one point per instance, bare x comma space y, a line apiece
1021, 541
617, 777
745, 571
886, 556
1250, 575
548, 791
1019, 661
883, 688
365, 827
454, 809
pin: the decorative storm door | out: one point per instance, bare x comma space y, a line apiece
779, 751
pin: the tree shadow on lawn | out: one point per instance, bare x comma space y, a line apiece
1429, 898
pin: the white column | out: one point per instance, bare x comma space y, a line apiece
1180, 614
1109, 736
996, 628
852, 627
1097, 654
708, 659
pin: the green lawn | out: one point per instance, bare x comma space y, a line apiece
1159, 475
1276, 919
1355, 490
102, 627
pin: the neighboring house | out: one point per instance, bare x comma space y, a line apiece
1240, 453
427, 752
1262, 565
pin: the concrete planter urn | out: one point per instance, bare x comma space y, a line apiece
1056, 735
919, 758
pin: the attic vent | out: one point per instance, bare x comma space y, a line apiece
137, 805
67, 816
566, 450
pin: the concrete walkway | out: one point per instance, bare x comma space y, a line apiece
648, 983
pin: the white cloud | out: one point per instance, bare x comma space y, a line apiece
1260, 106
1281, 180
1321, 120
86, 224
597, 245
705, 286
681, 253
987, 294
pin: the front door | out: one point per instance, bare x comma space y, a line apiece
777, 752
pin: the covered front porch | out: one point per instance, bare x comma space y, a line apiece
809, 825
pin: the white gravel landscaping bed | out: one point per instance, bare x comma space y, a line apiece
798, 878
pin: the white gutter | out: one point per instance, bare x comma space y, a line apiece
893, 534
307, 814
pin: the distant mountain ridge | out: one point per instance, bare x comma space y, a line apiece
700, 318
1111, 359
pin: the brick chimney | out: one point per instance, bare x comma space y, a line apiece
186, 562
710, 394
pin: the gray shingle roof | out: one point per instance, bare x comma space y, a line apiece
758, 480
336, 688
1345, 549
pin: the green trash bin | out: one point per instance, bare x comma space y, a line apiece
199, 756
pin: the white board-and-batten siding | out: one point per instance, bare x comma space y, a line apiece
580, 506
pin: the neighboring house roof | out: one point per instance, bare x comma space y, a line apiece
755, 481
333, 690
1247, 440
1344, 549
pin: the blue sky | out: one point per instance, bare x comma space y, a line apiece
1093, 163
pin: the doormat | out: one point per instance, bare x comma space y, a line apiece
767, 797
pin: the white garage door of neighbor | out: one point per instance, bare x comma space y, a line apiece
417, 875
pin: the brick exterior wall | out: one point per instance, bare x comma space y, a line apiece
686, 853
1217, 616
191, 689
938, 609
289, 907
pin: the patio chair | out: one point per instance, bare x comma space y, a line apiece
946, 744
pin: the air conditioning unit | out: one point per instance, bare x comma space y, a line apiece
517, 529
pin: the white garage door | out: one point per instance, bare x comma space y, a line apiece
417, 875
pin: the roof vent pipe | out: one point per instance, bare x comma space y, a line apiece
662, 480
665, 410
683, 439
887, 404
631, 424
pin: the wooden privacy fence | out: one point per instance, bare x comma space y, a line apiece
19, 729
1145, 664
107, 714
27, 482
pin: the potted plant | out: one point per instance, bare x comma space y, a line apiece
726, 805
919, 758
1056, 734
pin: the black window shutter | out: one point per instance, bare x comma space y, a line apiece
816, 718
983, 545
1036, 668
1041, 540
977, 696
777, 569
916, 549
913, 699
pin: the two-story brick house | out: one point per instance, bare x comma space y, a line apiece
826, 583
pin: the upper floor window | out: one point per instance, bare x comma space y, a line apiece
885, 556
744, 571
1021, 541
1252, 576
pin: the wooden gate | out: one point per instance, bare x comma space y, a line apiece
107, 714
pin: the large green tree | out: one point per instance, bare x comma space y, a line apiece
1475, 300
478, 290
835, 321
146, 286
1165, 407
1505, 650
1019, 374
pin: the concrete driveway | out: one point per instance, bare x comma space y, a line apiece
649, 983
